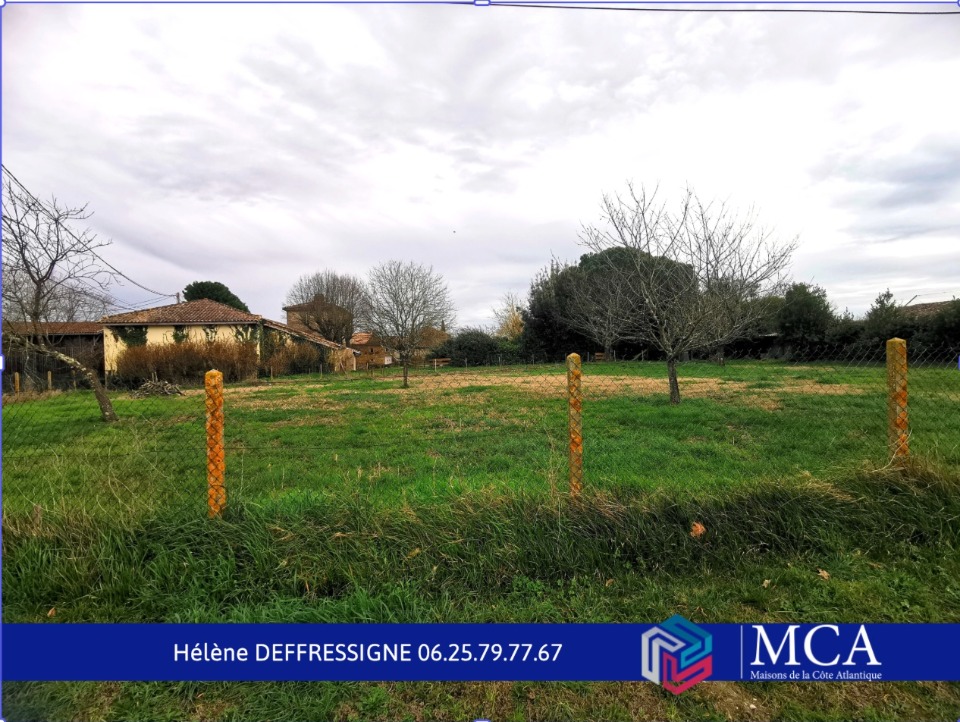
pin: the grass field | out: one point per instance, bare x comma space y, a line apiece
351, 499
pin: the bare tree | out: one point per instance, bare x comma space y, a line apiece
700, 271
332, 304
508, 317
50, 273
408, 303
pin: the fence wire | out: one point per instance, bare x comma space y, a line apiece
482, 425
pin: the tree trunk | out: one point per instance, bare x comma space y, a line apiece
406, 371
106, 407
674, 385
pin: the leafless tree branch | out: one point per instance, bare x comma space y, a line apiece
332, 304
50, 273
407, 302
695, 271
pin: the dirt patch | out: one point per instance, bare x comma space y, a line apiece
473, 390
463, 394
303, 421
546, 385
795, 386
555, 385
212, 710
712, 387
313, 402
689, 388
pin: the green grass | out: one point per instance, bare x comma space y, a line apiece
351, 500
457, 430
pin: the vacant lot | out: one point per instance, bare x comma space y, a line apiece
455, 430
351, 499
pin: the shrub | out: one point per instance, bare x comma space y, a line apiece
477, 347
472, 345
187, 362
293, 358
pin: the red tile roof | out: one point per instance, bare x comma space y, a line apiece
203, 311
361, 338
309, 335
62, 328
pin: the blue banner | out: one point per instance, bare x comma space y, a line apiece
675, 653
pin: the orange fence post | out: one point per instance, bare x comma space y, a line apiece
898, 428
574, 414
216, 463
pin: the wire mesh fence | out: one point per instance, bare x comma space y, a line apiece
26, 371
544, 426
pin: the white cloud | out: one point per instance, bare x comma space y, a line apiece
250, 144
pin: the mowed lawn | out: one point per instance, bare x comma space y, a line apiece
351, 499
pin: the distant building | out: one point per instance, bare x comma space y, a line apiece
62, 335
206, 320
299, 315
372, 352
80, 340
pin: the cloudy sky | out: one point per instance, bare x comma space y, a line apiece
252, 144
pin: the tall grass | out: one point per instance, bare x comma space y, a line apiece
875, 545
310, 547
187, 361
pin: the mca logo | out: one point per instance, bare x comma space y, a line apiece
677, 654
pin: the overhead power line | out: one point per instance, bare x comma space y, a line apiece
73, 235
684, 9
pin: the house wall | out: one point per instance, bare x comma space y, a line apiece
342, 359
370, 356
113, 345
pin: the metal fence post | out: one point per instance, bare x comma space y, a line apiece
574, 411
216, 464
898, 429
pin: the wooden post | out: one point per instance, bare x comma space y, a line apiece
216, 463
574, 411
16, 382
49, 380
897, 422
